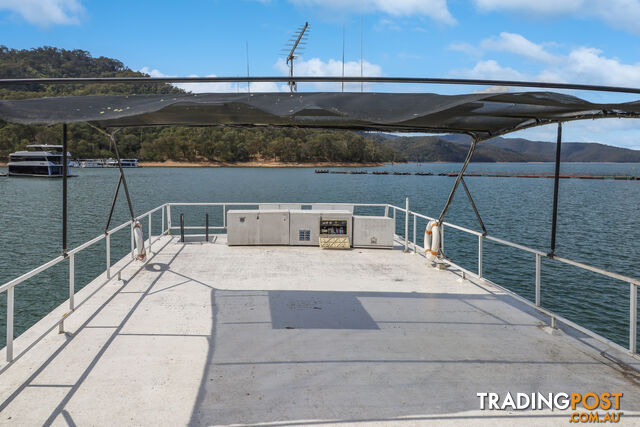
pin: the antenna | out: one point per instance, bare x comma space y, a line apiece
361, 63
343, 57
248, 75
299, 39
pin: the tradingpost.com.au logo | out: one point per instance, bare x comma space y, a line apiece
586, 407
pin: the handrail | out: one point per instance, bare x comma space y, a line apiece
633, 283
530, 250
166, 220
9, 286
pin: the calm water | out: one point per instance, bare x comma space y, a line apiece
598, 225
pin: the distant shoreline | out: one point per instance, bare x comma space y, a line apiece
274, 164
254, 164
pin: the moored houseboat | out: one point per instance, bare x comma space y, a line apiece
39, 160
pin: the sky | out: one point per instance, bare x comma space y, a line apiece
576, 41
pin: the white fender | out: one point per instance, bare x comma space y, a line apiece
432, 240
139, 239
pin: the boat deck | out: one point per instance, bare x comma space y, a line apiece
208, 334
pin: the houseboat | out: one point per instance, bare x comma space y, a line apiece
39, 160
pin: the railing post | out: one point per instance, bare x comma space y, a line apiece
633, 317
182, 228
538, 265
386, 211
224, 216
162, 225
72, 281
415, 242
442, 238
206, 227
480, 255
406, 224
149, 233
10, 292
108, 244
169, 218
133, 247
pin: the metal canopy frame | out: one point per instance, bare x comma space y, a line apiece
403, 80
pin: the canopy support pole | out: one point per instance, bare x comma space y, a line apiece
473, 205
64, 189
556, 181
458, 179
122, 177
113, 204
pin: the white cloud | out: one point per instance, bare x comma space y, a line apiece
490, 69
312, 67
435, 9
515, 43
332, 67
215, 87
45, 13
467, 48
580, 65
621, 14
589, 65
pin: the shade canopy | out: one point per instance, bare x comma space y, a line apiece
481, 114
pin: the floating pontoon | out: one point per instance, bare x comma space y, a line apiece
251, 322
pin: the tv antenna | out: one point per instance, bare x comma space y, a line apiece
297, 43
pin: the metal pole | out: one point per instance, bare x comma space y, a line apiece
556, 182
633, 317
455, 185
133, 247
169, 219
64, 189
182, 228
206, 226
538, 266
124, 180
162, 224
108, 243
72, 282
113, 203
415, 242
480, 256
473, 205
149, 233
10, 293
224, 216
406, 225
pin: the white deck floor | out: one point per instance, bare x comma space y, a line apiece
208, 334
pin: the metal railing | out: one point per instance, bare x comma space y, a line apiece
389, 210
10, 286
633, 283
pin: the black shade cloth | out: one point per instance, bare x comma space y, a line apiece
482, 114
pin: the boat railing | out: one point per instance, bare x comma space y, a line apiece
9, 287
410, 245
538, 256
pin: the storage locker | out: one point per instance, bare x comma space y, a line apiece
253, 227
373, 231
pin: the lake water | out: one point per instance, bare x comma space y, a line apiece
597, 224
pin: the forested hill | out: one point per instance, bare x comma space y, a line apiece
159, 144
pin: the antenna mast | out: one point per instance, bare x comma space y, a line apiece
298, 40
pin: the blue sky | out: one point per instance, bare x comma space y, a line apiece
579, 41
